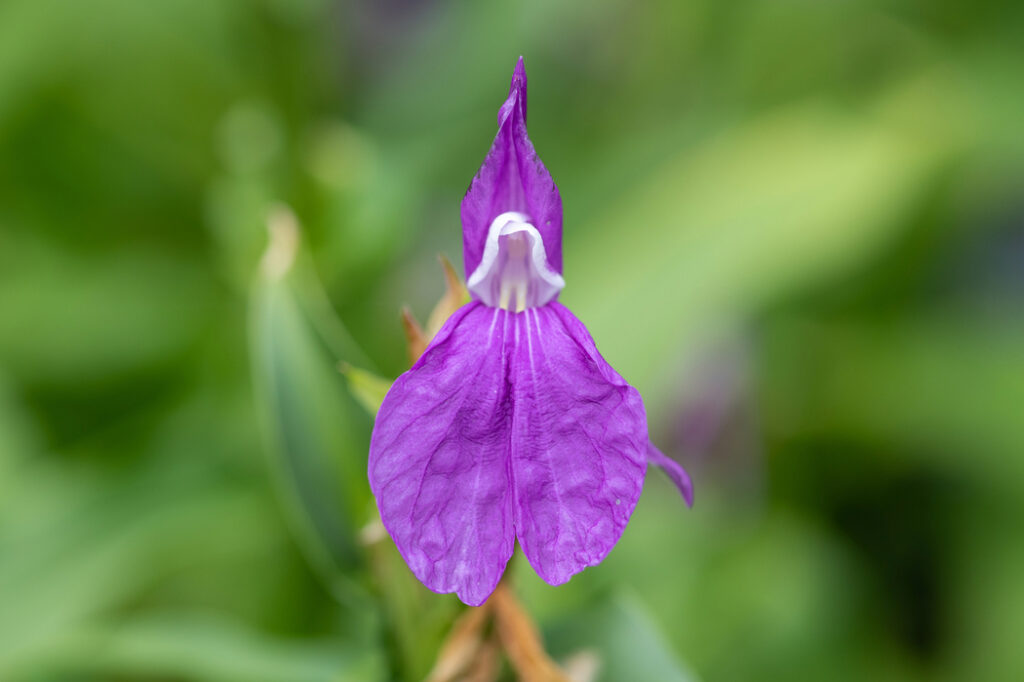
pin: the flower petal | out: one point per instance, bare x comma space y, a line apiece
439, 457
511, 425
512, 179
674, 470
579, 443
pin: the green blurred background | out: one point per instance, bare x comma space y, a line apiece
796, 225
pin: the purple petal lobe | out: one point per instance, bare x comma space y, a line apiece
439, 457
674, 470
512, 179
579, 440
510, 425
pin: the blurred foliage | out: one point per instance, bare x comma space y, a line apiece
796, 226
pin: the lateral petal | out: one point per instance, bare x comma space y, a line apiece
674, 470
579, 443
438, 463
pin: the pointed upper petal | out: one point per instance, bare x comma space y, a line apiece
579, 442
439, 455
512, 179
516, 93
674, 470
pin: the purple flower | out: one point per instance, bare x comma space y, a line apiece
510, 425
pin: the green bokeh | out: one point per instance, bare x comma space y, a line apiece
797, 226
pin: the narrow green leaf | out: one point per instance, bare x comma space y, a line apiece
368, 388
17, 439
203, 648
100, 544
768, 208
948, 385
319, 434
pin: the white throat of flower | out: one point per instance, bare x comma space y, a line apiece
513, 273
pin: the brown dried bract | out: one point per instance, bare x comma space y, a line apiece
455, 296
472, 651
416, 341
521, 640
462, 647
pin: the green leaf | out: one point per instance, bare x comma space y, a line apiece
92, 544
17, 440
77, 320
766, 209
319, 434
203, 648
368, 388
946, 386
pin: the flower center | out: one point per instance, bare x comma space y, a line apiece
513, 273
